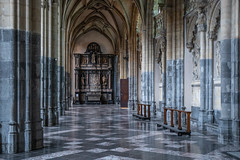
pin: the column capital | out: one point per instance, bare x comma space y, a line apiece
201, 21
44, 4
201, 27
189, 45
212, 35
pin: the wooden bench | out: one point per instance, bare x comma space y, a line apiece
179, 130
142, 112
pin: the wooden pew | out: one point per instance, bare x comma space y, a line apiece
142, 112
179, 130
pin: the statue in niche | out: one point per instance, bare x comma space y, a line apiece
83, 80
196, 58
93, 58
104, 80
218, 66
85, 61
201, 19
104, 60
77, 62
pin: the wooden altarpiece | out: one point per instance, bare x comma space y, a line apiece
93, 76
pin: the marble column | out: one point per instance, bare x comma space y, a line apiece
201, 24
28, 116
43, 117
225, 125
211, 38
44, 61
163, 48
12, 131
63, 69
59, 59
235, 75
49, 66
147, 82
130, 72
169, 58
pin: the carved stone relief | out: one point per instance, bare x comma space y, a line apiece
161, 51
94, 80
192, 32
196, 63
160, 65
218, 60
201, 21
160, 26
139, 50
189, 5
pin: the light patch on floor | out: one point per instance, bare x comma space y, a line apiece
54, 155
234, 154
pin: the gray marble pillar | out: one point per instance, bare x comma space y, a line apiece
211, 38
225, 124
201, 24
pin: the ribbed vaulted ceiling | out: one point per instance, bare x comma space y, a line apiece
110, 18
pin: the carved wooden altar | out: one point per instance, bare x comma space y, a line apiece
93, 76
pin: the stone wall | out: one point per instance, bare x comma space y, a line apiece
20, 63
211, 43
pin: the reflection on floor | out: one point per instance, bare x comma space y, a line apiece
107, 132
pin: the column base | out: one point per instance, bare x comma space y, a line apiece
236, 132
50, 117
12, 138
131, 104
62, 113
37, 135
28, 136
202, 119
225, 131
210, 117
43, 117
56, 115
154, 107
135, 104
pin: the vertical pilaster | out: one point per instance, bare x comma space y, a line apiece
235, 73
12, 133
169, 57
44, 65
59, 60
211, 38
130, 72
225, 52
63, 67
147, 83
28, 60
49, 66
42, 62
201, 24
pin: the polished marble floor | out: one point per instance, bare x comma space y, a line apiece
106, 132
